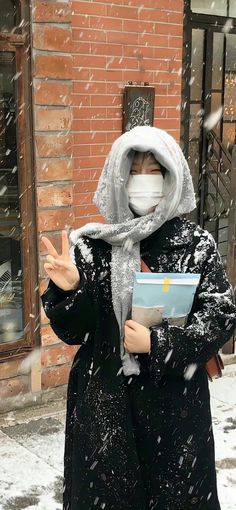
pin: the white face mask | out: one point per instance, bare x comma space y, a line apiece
144, 192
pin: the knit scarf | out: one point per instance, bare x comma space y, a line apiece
124, 231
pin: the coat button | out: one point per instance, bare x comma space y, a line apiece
183, 413
194, 501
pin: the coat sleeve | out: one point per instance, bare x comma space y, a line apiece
210, 325
71, 313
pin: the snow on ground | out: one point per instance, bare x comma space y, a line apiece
31, 454
223, 405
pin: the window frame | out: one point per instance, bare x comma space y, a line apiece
19, 42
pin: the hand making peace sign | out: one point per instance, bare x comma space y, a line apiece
60, 268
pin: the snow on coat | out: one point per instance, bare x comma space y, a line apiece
143, 442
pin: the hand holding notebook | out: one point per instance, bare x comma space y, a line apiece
158, 295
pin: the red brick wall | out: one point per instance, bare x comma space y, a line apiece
84, 53
115, 42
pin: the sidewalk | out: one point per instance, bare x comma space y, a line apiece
32, 444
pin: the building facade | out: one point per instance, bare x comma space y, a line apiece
64, 67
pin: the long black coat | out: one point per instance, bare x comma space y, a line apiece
142, 442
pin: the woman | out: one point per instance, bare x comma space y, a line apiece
138, 430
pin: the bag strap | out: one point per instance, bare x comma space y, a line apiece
144, 267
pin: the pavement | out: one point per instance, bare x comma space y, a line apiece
32, 447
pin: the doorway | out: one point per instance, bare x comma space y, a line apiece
209, 115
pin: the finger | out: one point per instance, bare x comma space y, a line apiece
126, 347
48, 267
52, 261
49, 246
131, 324
65, 243
62, 263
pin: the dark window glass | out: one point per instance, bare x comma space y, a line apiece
217, 62
9, 15
197, 64
11, 304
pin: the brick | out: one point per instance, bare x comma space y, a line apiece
10, 368
89, 113
55, 219
35, 376
53, 145
175, 42
161, 90
162, 77
122, 63
139, 52
168, 29
106, 23
84, 210
114, 113
154, 64
88, 35
52, 119
167, 5
106, 100
174, 89
52, 12
81, 48
90, 8
82, 199
58, 355
152, 39
81, 100
92, 162
106, 75
80, 222
139, 26
81, 125
161, 16
82, 174
99, 149
54, 169
97, 48
53, 66
118, 37
89, 61
52, 93
115, 11
85, 186
48, 337
169, 124
138, 76
14, 386
167, 101
81, 21
89, 88
168, 53
52, 38
88, 138
54, 196
55, 376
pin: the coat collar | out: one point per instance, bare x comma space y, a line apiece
173, 234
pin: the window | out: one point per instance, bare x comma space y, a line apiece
214, 7
18, 274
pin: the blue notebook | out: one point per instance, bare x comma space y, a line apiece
157, 295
